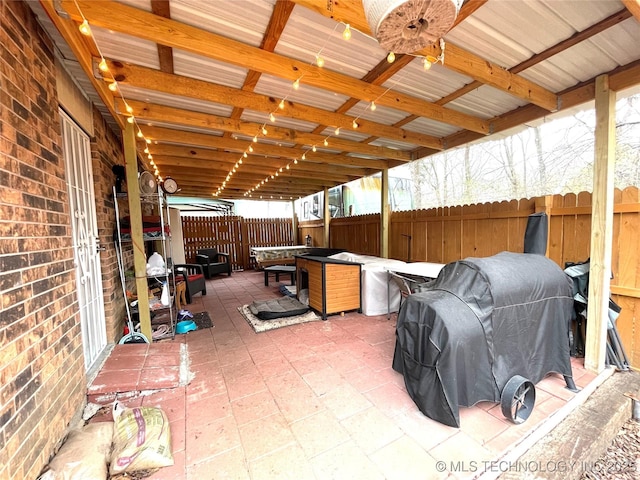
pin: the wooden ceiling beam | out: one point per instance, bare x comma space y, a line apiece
148, 78
133, 21
165, 54
168, 135
634, 7
178, 116
191, 167
456, 58
206, 154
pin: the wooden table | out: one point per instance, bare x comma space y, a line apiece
278, 269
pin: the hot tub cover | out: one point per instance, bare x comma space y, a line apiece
483, 321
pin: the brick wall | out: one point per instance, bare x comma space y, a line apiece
42, 378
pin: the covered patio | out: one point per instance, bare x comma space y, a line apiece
279, 99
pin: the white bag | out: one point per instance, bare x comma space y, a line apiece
155, 265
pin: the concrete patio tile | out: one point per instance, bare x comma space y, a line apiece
277, 366
282, 385
172, 401
234, 371
254, 407
390, 399
178, 430
207, 410
345, 462
318, 433
229, 465
208, 440
461, 454
123, 362
555, 385
371, 430
174, 472
298, 404
312, 363
159, 378
365, 379
426, 432
265, 436
246, 385
115, 381
345, 400
162, 360
481, 425
203, 386
289, 463
263, 353
130, 349
323, 381
404, 459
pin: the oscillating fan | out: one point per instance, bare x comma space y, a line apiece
405, 26
147, 183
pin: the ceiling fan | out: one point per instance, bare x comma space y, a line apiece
406, 26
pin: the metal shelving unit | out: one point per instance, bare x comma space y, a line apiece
160, 314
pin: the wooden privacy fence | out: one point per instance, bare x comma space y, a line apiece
234, 235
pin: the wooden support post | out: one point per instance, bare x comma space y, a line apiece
601, 226
135, 213
384, 214
294, 223
327, 219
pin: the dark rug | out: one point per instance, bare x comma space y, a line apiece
202, 320
264, 325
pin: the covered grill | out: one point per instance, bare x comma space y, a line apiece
483, 322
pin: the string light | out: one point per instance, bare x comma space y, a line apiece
304, 156
346, 33
426, 63
103, 66
281, 104
84, 28
113, 86
130, 119
391, 57
140, 135
250, 148
355, 124
319, 61
296, 84
255, 139
336, 131
326, 142
313, 149
373, 106
272, 118
264, 130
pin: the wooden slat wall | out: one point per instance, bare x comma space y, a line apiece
359, 234
234, 235
313, 228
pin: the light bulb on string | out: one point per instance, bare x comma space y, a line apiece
391, 57
245, 155
319, 61
152, 163
255, 139
346, 33
103, 66
281, 169
264, 130
272, 118
146, 150
276, 174
84, 28
295, 160
240, 161
426, 63
373, 106
313, 149
140, 135
281, 104
337, 131
296, 84
130, 119
355, 124
150, 157
304, 156
326, 142
129, 108
287, 166
146, 139
113, 86
250, 148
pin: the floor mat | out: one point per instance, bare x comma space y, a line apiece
202, 320
264, 325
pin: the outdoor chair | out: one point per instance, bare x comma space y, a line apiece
213, 262
193, 277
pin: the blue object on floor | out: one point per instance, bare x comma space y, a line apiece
186, 326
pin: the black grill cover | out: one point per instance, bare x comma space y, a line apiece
483, 321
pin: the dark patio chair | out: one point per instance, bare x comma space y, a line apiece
193, 276
213, 262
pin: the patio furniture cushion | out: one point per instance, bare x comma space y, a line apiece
278, 308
